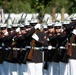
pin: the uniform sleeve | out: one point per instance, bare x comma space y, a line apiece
42, 40
0, 37
4, 38
11, 35
52, 37
30, 32
16, 38
71, 25
45, 43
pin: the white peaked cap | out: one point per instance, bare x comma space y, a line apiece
50, 24
26, 23
44, 26
58, 24
66, 22
9, 26
21, 25
3, 25
14, 25
38, 24
34, 21
74, 31
73, 17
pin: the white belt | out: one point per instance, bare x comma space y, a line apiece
23, 48
44, 48
14, 48
62, 47
53, 47
0, 47
73, 44
19, 48
6, 49
9, 47
37, 48
28, 47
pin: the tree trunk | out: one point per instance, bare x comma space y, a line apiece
62, 14
53, 12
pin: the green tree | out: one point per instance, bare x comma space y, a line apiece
40, 6
17, 6
72, 8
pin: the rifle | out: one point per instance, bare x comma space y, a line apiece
20, 21
4, 48
9, 57
46, 62
25, 18
2, 53
22, 53
1, 56
30, 55
65, 57
10, 54
7, 18
13, 20
5, 52
56, 52
69, 51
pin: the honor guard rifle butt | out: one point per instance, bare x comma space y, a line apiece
69, 51
9, 58
30, 55
46, 62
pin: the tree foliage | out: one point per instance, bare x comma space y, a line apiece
40, 6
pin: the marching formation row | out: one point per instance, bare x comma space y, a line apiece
35, 48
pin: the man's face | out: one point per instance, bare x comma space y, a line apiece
4, 30
23, 31
27, 28
51, 30
58, 30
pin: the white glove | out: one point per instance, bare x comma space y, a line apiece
49, 47
34, 36
74, 31
13, 39
6, 33
47, 39
37, 26
18, 30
